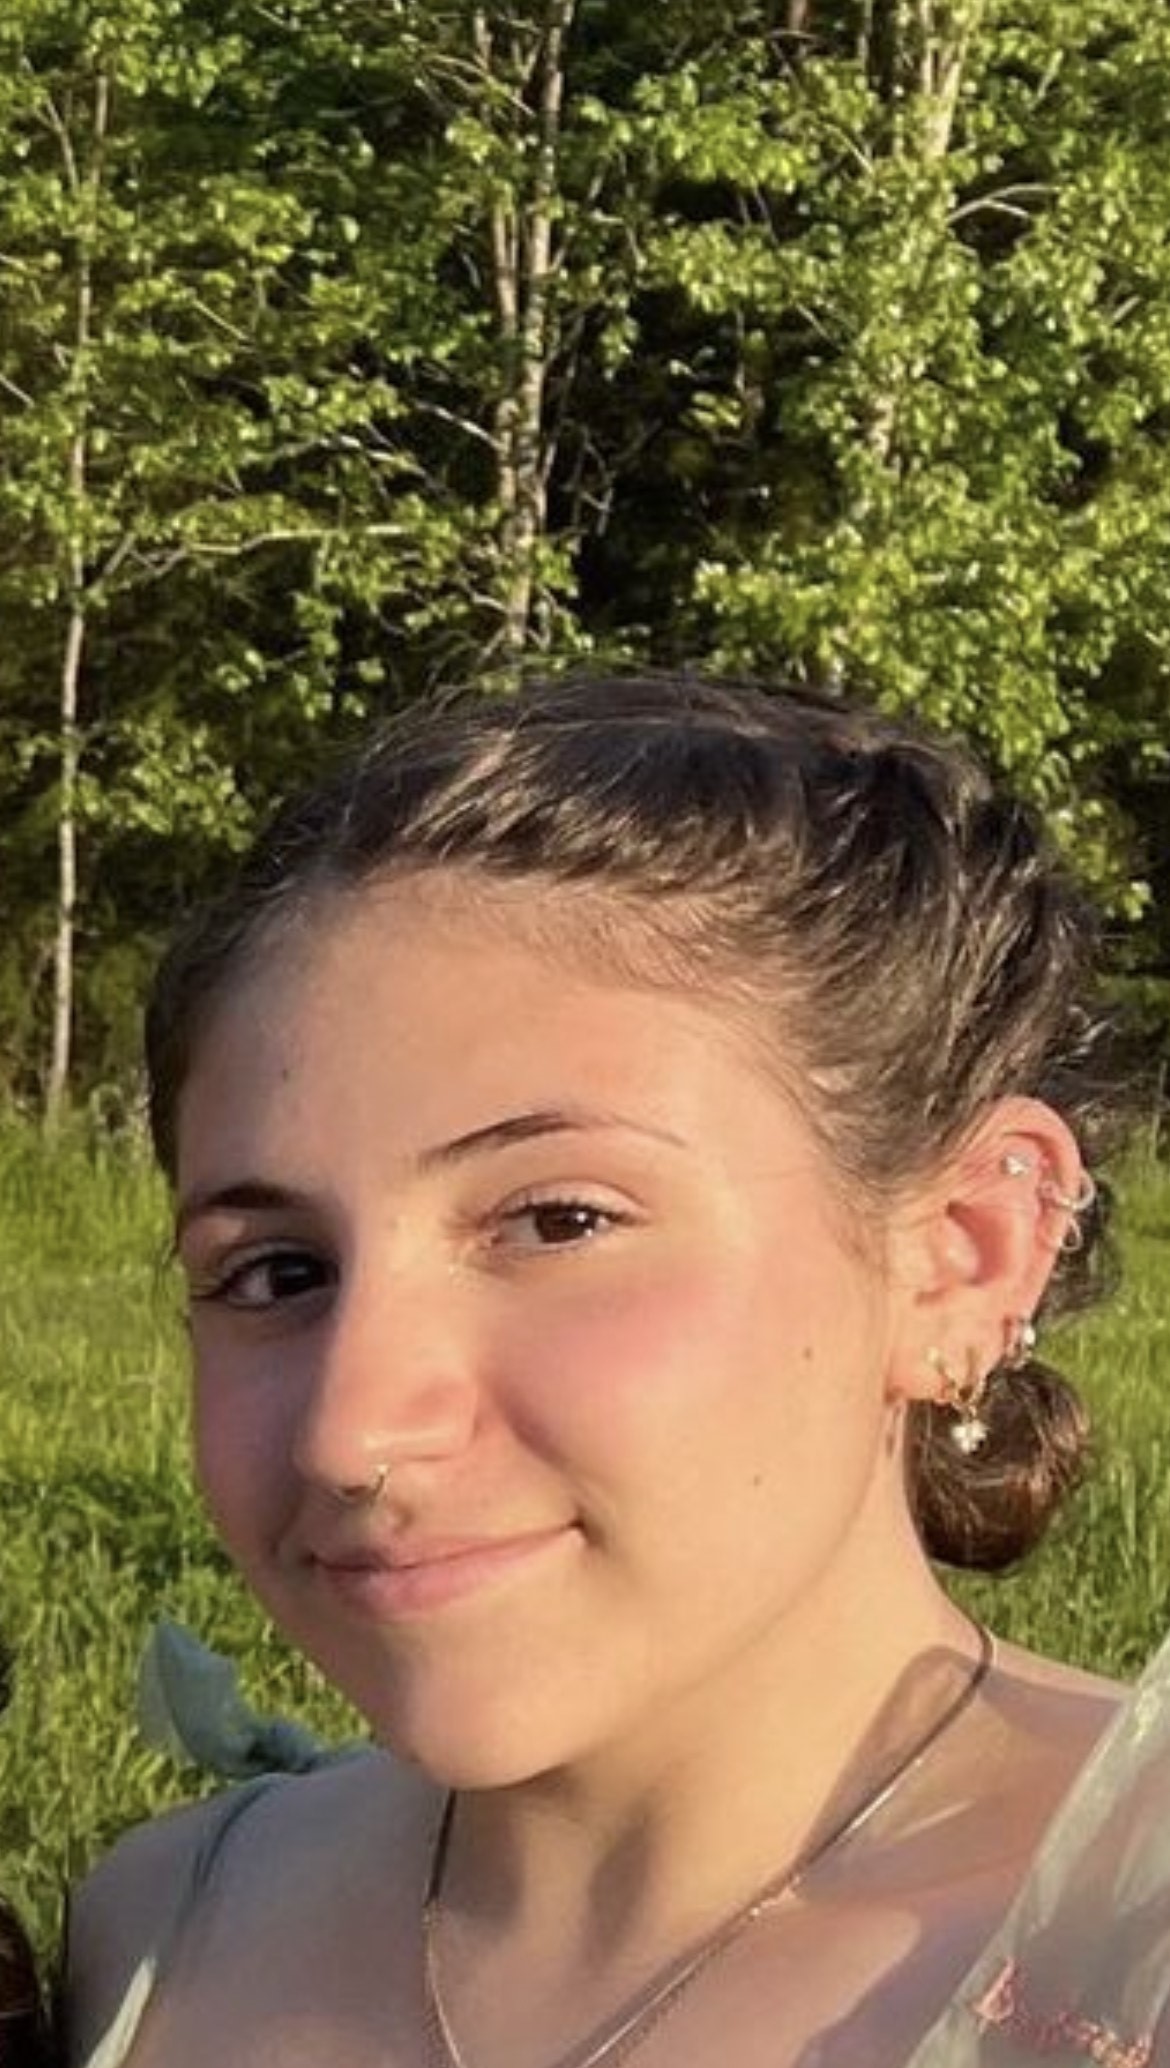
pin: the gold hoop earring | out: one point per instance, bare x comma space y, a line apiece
969, 1431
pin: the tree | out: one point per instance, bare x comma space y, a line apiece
352, 347
288, 325
166, 317
916, 254
109, 443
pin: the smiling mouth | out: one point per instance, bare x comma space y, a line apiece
402, 1581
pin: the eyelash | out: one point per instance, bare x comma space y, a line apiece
226, 1288
604, 1218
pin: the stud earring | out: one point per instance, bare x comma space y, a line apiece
969, 1431
1019, 1341
1014, 1166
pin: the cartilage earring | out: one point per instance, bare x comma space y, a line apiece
1073, 1203
1077, 1202
969, 1432
1014, 1166
1019, 1343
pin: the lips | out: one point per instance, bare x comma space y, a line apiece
408, 1576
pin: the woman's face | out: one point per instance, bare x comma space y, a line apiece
552, 1251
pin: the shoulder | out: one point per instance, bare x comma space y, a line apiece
1061, 1711
143, 1897
1108, 1741
1080, 1961
123, 1912
1055, 1676
1091, 1929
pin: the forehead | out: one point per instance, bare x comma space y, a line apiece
476, 930
441, 999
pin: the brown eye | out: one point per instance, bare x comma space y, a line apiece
269, 1280
556, 1224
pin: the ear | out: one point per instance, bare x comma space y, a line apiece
974, 1246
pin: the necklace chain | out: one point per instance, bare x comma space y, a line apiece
632, 2027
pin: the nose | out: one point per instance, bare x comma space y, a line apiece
392, 1383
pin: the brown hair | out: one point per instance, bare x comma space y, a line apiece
929, 951
24, 2027
24, 2037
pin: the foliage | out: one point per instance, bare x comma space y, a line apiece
928, 389
350, 349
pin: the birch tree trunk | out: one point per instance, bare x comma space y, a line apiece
87, 189
61, 1048
924, 47
523, 246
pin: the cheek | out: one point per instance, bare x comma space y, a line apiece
657, 1359
747, 1400
240, 1443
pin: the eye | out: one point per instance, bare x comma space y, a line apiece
544, 1224
270, 1279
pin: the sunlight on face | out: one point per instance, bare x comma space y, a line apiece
553, 1251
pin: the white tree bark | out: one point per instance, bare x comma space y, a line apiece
87, 191
524, 264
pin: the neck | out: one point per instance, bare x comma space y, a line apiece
657, 1839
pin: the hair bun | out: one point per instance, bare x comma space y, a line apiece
986, 1509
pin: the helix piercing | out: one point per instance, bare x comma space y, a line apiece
1072, 1203
1077, 1202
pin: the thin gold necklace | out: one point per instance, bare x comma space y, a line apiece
632, 2027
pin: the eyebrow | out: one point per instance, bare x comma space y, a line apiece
249, 1195
527, 1127
255, 1195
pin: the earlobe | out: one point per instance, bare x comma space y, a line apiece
980, 1245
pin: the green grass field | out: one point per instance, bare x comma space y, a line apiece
100, 1531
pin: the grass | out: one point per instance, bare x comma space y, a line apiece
100, 1530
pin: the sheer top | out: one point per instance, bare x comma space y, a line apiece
1078, 1971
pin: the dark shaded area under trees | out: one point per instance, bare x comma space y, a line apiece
350, 348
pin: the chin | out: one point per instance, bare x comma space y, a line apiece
471, 1746
462, 1735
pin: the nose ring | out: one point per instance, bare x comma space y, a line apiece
366, 1494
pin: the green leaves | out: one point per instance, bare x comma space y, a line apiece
928, 287
350, 349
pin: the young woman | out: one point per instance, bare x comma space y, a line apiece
625, 1142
